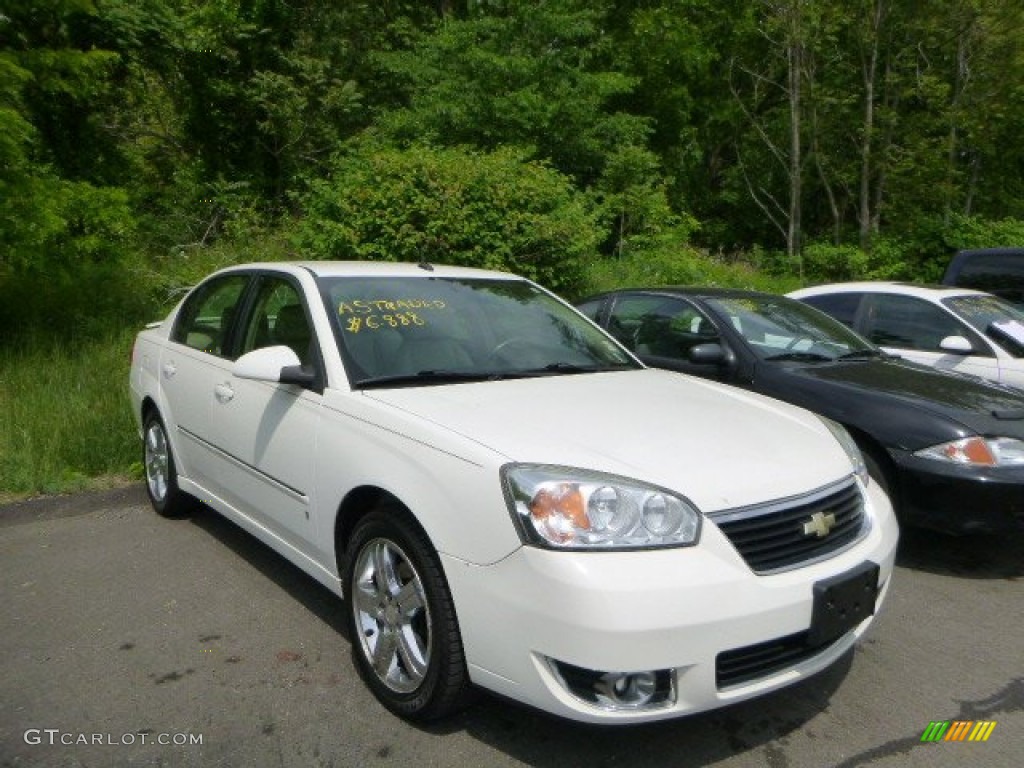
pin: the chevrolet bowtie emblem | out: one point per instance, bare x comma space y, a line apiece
819, 525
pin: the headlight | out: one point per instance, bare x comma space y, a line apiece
856, 457
978, 452
565, 508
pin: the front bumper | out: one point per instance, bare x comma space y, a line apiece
958, 499
673, 610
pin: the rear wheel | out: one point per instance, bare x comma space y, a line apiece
161, 474
405, 635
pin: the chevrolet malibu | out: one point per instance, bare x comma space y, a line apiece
504, 497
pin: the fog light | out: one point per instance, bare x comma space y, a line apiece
616, 690
623, 689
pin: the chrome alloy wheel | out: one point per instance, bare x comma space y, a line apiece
157, 461
391, 615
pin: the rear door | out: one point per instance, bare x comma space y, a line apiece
197, 356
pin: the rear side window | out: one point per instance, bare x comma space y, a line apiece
842, 306
906, 322
205, 320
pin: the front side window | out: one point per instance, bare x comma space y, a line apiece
660, 326
395, 330
906, 322
591, 308
206, 318
278, 318
1000, 320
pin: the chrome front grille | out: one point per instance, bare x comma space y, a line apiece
790, 532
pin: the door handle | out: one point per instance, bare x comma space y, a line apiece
223, 392
169, 370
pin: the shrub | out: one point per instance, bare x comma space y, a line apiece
491, 210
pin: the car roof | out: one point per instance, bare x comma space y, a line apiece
374, 269
924, 291
689, 291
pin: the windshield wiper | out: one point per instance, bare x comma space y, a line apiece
809, 357
862, 354
427, 377
558, 369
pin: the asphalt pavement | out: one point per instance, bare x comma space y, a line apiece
129, 639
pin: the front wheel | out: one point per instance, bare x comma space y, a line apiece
161, 474
405, 635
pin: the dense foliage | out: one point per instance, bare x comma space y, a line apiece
585, 143
143, 139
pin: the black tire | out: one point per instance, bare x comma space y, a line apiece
161, 473
399, 608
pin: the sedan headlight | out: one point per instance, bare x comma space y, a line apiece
856, 457
566, 508
978, 452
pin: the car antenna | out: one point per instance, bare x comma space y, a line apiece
426, 265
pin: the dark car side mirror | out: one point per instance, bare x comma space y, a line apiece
711, 353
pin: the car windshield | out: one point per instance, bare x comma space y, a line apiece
396, 331
998, 319
777, 328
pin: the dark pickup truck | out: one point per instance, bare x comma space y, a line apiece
994, 270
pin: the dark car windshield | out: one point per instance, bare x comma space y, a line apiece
1000, 320
778, 328
396, 331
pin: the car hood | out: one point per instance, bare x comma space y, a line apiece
980, 406
720, 446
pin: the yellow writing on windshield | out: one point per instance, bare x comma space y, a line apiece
374, 322
370, 306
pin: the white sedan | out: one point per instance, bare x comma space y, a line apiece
505, 497
952, 329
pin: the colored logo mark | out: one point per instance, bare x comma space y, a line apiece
958, 730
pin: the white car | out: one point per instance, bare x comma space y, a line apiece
952, 329
505, 497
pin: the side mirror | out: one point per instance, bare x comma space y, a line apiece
278, 365
956, 345
711, 353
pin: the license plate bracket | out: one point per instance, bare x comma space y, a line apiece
842, 602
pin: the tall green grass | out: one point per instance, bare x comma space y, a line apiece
64, 414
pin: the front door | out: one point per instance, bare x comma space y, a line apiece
268, 431
914, 328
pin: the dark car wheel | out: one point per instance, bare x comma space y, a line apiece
161, 475
405, 636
